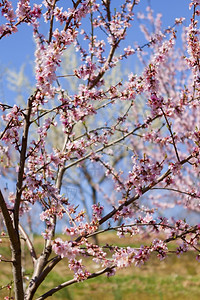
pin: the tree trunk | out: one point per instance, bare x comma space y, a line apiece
17, 271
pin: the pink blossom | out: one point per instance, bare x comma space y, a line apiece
64, 249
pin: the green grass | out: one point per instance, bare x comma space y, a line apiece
172, 279
132, 286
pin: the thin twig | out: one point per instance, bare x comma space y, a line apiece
171, 134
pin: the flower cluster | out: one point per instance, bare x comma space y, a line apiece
97, 211
65, 249
14, 122
146, 174
194, 2
160, 247
80, 272
124, 257
7, 11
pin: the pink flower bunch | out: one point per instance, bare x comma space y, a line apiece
155, 103
71, 231
60, 15
4, 157
97, 211
160, 247
182, 248
80, 272
179, 20
111, 272
45, 126
47, 60
14, 124
124, 257
142, 255
132, 230
7, 11
65, 249
143, 173
179, 227
96, 251
131, 88
24, 12
23, 9
175, 168
194, 2
128, 51
193, 45
81, 107
46, 215
97, 48
117, 26
86, 71
197, 137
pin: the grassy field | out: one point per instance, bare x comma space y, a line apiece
172, 279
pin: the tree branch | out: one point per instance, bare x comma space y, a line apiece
28, 243
110, 144
136, 197
70, 282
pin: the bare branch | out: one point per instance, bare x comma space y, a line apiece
29, 244
171, 134
70, 282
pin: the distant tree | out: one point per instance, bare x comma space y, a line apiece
143, 131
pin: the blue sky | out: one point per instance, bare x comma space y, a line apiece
19, 48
